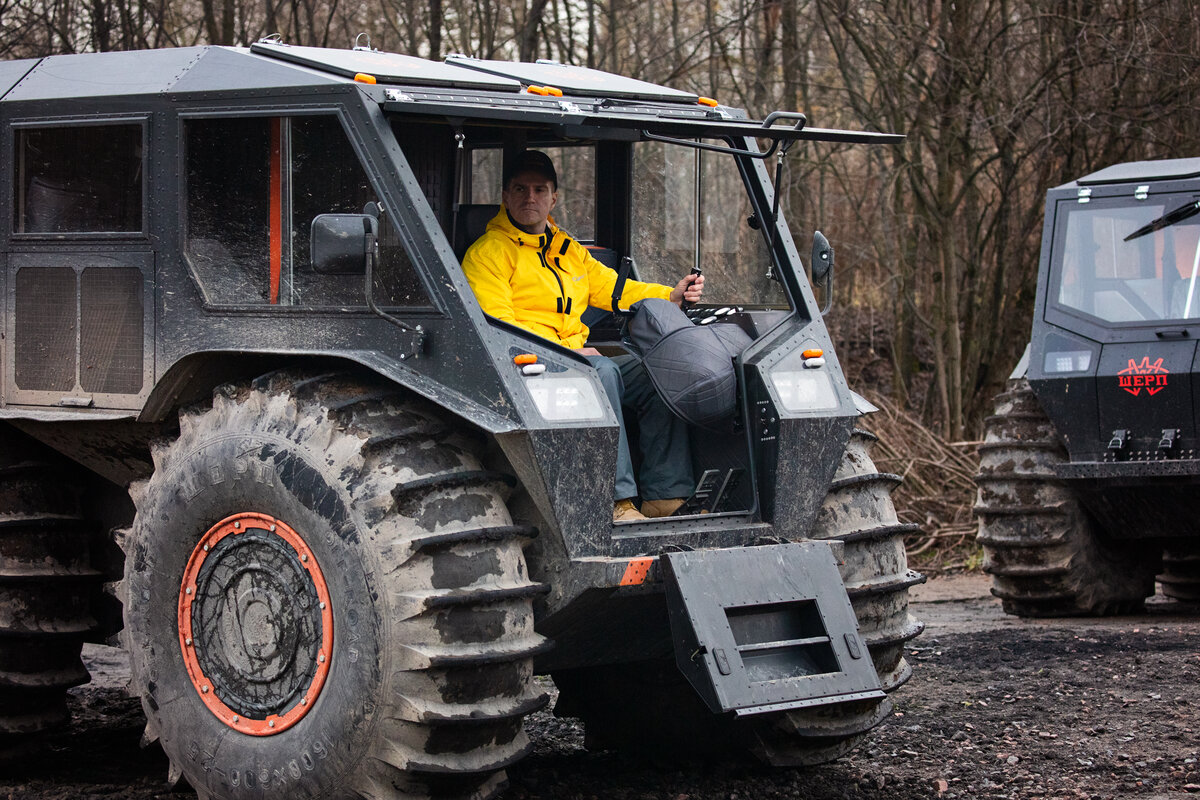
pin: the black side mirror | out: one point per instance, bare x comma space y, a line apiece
338, 243
822, 266
822, 256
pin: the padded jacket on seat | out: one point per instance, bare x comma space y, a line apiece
544, 283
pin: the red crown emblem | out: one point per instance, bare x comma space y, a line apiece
1143, 375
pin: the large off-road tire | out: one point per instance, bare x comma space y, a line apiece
859, 512
650, 707
1046, 555
1180, 576
47, 587
326, 598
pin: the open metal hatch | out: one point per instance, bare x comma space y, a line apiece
762, 629
391, 68
575, 80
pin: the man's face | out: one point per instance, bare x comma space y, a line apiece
529, 198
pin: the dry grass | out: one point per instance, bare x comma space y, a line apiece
938, 489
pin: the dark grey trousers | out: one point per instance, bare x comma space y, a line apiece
666, 469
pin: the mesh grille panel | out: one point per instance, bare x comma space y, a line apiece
111, 346
45, 329
427, 155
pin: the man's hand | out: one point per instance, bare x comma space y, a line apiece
587, 351
689, 289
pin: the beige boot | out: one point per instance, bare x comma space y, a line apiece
662, 508
626, 511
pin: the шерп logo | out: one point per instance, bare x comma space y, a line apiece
1143, 375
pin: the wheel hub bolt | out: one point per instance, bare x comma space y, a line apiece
188, 641
205, 690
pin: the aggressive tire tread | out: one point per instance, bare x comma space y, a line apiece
859, 512
453, 674
1043, 551
47, 588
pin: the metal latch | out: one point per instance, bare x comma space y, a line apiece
1169, 437
1085, 195
1141, 192
414, 343
1117, 442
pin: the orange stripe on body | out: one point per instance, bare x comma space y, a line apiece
637, 571
276, 208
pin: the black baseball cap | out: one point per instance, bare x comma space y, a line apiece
531, 161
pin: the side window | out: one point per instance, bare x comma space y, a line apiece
255, 185
576, 168
78, 179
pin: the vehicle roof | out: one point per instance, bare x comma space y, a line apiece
201, 69
270, 65
1133, 171
457, 88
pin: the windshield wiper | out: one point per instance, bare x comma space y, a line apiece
1170, 218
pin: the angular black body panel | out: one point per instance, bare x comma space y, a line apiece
762, 628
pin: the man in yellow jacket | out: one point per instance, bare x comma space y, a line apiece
526, 271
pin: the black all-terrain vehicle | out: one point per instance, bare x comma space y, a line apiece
354, 517
1091, 465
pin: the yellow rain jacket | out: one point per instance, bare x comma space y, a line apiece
544, 283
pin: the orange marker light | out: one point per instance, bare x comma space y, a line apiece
813, 353
553, 91
524, 358
363, 77
707, 101
542, 90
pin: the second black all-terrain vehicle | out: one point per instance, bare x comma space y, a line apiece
1090, 471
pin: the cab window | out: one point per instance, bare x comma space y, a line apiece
691, 209
255, 186
78, 179
576, 168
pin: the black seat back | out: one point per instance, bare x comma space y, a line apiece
471, 223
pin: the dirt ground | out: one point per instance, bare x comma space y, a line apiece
998, 708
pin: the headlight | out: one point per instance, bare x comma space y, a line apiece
1068, 361
562, 397
1064, 353
802, 389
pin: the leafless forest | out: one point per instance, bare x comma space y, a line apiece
937, 239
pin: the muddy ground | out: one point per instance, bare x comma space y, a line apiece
999, 708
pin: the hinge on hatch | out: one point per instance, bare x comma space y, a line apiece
1085, 195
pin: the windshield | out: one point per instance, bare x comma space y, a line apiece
1151, 277
690, 208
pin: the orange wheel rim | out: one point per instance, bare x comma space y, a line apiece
255, 624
